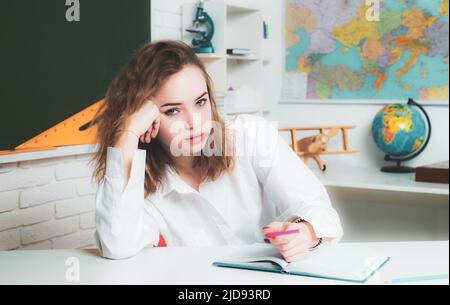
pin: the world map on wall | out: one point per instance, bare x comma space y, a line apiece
347, 55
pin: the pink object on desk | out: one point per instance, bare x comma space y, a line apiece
281, 233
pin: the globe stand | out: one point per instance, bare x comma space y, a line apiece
399, 168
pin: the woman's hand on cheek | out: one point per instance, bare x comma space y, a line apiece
145, 122
152, 132
293, 247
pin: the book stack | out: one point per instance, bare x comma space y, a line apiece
220, 102
434, 173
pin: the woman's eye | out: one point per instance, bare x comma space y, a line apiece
171, 112
202, 102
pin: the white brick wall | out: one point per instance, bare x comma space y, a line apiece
49, 204
166, 19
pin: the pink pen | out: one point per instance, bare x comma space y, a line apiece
281, 233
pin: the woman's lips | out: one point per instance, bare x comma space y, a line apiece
196, 139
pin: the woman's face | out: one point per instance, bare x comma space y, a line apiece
186, 115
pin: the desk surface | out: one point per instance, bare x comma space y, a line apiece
186, 265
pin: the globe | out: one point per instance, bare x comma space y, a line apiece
401, 131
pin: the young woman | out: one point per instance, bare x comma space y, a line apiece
169, 166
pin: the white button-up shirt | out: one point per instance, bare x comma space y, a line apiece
268, 183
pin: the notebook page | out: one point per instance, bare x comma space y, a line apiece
257, 253
339, 261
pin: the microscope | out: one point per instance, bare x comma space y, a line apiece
203, 27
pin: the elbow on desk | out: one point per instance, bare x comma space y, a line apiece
114, 249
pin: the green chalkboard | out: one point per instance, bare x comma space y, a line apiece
51, 68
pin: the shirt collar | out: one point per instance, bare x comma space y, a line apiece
172, 182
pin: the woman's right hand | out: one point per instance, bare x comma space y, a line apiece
145, 122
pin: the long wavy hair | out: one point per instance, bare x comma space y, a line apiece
138, 82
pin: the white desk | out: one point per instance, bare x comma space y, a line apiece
179, 265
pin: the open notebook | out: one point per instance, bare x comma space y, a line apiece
332, 261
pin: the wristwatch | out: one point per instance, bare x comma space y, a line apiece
298, 219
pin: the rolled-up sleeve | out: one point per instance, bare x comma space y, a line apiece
123, 227
289, 184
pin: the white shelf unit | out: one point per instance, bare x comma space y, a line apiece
373, 179
377, 206
238, 24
